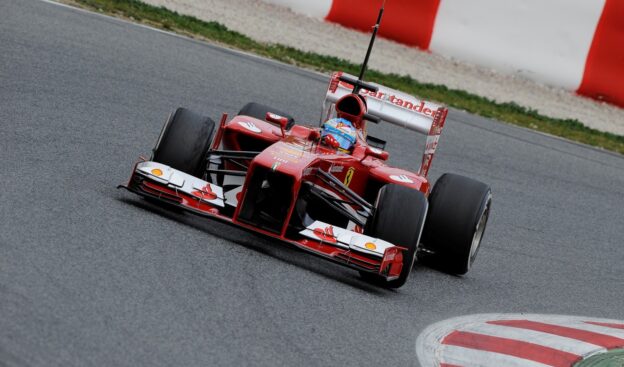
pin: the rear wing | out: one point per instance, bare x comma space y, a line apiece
388, 104
396, 108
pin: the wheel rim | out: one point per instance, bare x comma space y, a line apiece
479, 230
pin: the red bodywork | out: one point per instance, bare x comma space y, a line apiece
299, 154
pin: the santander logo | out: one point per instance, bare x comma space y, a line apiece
401, 101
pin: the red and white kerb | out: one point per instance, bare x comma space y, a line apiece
517, 340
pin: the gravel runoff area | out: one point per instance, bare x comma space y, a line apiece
274, 24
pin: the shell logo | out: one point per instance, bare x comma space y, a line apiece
370, 246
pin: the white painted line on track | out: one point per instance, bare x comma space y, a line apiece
144, 26
221, 46
597, 328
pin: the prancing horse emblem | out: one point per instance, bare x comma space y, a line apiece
349, 176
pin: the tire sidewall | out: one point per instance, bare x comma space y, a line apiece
184, 142
457, 204
399, 209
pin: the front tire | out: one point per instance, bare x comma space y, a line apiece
399, 217
184, 142
459, 208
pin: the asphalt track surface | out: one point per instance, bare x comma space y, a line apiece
90, 275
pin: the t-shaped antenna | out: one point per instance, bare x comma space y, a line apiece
358, 85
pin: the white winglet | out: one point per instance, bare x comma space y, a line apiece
344, 238
180, 181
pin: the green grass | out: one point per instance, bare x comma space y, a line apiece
213, 31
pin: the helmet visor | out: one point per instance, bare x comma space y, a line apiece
345, 140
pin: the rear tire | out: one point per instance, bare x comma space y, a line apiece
459, 208
399, 218
259, 111
184, 142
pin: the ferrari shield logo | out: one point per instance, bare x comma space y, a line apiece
349, 176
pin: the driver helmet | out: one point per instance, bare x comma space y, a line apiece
340, 130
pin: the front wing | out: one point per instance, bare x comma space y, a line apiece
349, 248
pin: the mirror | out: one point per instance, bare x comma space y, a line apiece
377, 153
281, 121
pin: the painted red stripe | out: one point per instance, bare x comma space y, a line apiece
604, 70
525, 350
606, 324
606, 341
406, 21
448, 365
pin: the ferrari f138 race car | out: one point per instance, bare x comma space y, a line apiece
327, 189
263, 172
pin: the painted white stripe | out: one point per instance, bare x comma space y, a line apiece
618, 333
314, 9
531, 336
472, 357
180, 36
546, 41
576, 322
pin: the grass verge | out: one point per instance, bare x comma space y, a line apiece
216, 32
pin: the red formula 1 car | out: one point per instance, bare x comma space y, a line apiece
262, 172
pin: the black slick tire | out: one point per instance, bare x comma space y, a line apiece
399, 217
184, 142
459, 208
